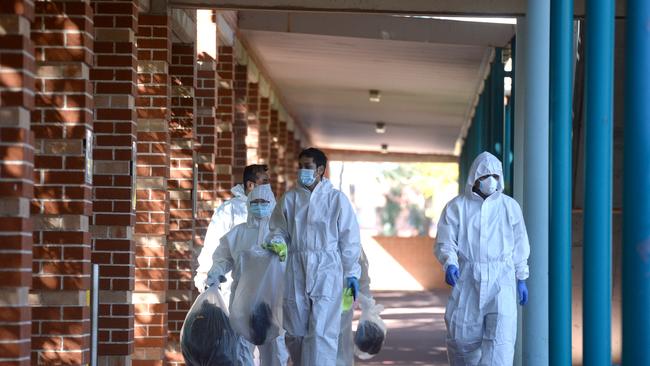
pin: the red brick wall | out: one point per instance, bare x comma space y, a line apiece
114, 77
225, 119
240, 124
264, 151
16, 179
62, 33
206, 135
274, 157
282, 157
181, 188
152, 207
252, 124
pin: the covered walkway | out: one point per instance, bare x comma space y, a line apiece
124, 123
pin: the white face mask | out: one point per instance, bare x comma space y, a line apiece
488, 185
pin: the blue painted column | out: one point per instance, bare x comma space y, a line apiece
519, 68
636, 192
599, 100
561, 92
536, 180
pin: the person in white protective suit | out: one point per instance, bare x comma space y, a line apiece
231, 213
345, 355
320, 228
483, 245
245, 237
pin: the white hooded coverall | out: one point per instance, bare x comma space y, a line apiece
242, 238
231, 213
323, 240
345, 355
487, 241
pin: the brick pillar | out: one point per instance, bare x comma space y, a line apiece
291, 162
16, 179
62, 33
282, 156
264, 146
206, 135
181, 186
253, 124
152, 207
274, 157
225, 118
240, 124
114, 78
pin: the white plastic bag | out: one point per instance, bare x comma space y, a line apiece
256, 309
371, 330
207, 339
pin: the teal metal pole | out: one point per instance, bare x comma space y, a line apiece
599, 97
636, 192
536, 180
561, 92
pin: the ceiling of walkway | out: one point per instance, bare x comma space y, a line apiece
428, 72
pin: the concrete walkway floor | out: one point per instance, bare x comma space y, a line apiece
416, 328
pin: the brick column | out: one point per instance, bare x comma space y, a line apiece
206, 135
282, 156
264, 151
16, 179
62, 33
181, 185
240, 124
274, 158
253, 124
114, 79
225, 118
152, 207
291, 161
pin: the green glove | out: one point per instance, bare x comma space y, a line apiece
348, 299
278, 248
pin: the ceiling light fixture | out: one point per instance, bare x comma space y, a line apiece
380, 127
375, 96
384, 148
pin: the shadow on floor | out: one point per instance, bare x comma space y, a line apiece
416, 329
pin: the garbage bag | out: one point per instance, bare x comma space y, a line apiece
207, 338
371, 330
256, 309
260, 323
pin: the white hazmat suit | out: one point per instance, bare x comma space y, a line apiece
322, 235
486, 239
245, 237
231, 213
345, 355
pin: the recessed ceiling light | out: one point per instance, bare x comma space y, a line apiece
375, 96
384, 148
380, 127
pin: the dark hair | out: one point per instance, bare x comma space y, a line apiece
251, 171
319, 157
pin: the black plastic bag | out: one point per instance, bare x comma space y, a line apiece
207, 339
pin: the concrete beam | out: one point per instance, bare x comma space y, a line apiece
379, 26
376, 156
509, 8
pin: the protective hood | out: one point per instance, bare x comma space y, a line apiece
238, 192
484, 164
264, 192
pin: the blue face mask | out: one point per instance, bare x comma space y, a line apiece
260, 210
306, 177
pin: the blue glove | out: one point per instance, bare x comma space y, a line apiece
522, 291
353, 284
451, 276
